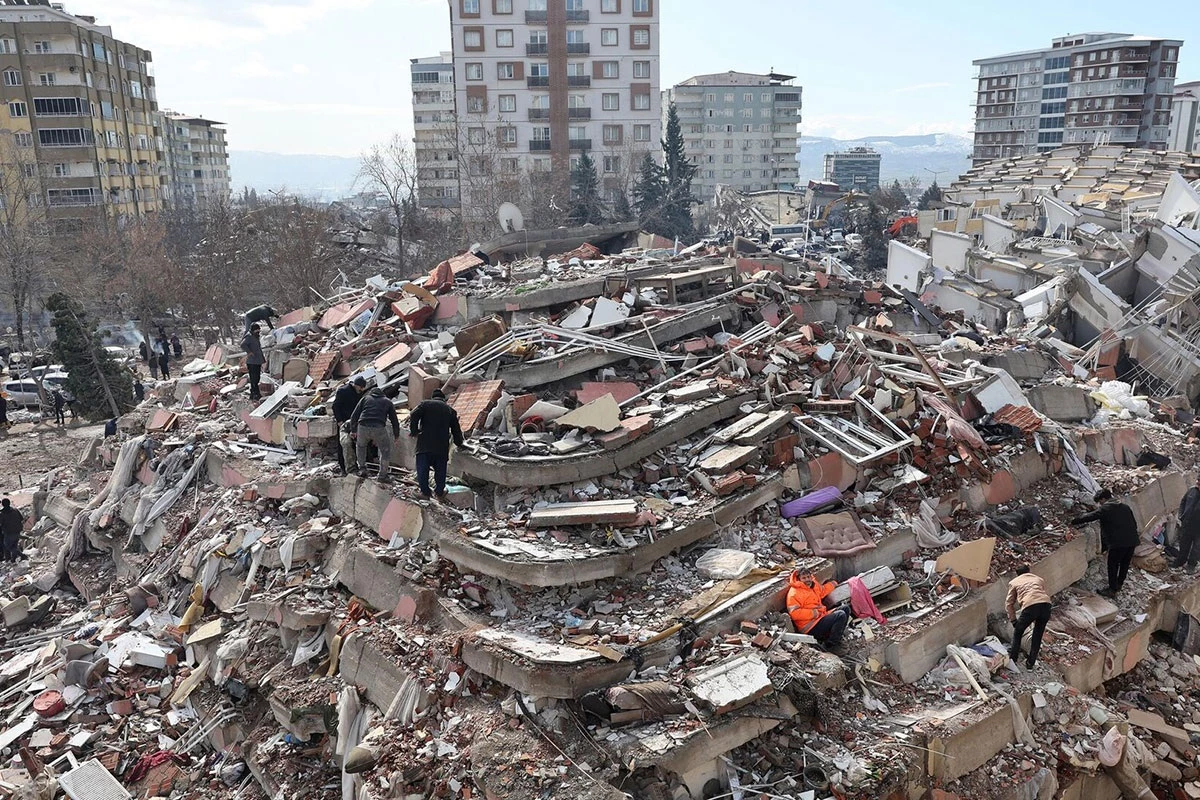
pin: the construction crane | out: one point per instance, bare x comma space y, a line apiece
822, 222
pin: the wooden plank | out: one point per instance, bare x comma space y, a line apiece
614, 512
744, 424
728, 458
270, 406
765, 428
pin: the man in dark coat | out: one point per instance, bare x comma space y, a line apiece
368, 424
59, 402
262, 313
11, 526
434, 423
1119, 535
255, 359
345, 400
1189, 529
163, 348
176, 345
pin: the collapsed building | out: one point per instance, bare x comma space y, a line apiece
656, 441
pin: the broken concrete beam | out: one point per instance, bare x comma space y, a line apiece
596, 512
693, 391
732, 683
955, 749
916, 654
376, 507
764, 428
734, 429
601, 414
728, 458
1062, 403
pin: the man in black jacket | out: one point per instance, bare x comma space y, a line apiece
11, 525
345, 400
434, 423
1118, 535
369, 425
252, 346
1189, 529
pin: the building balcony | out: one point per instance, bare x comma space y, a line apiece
581, 144
535, 17
539, 145
579, 113
578, 48
578, 16
537, 81
539, 113
1135, 56
537, 48
579, 80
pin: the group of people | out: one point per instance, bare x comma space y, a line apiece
157, 354
1028, 603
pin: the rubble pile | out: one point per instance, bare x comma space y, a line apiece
657, 442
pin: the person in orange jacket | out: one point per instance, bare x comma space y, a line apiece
808, 612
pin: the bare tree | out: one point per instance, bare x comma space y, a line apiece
913, 186
24, 235
391, 170
292, 244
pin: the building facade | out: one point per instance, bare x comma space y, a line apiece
77, 113
434, 132
856, 168
1111, 88
1185, 118
740, 129
197, 159
539, 82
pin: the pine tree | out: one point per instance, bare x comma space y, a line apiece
678, 174
101, 388
585, 193
931, 195
874, 238
648, 195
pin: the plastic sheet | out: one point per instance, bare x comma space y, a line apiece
725, 565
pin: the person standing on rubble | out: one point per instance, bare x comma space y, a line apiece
369, 425
345, 400
58, 401
255, 359
1027, 594
147, 350
262, 313
434, 422
11, 526
806, 607
163, 348
1118, 535
1189, 529
176, 345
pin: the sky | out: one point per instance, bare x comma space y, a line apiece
330, 77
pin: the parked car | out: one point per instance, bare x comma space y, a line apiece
22, 392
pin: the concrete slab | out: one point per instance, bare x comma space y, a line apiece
916, 654
959, 749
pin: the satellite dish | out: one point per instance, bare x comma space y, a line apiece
511, 218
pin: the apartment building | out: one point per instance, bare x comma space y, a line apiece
197, 160
740, 130
538, 82
77, 110
434, 132
1185, 118
1087, 88
856, 168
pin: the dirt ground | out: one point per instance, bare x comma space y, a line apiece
27, 450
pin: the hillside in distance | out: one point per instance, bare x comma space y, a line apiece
946, 154
319, 177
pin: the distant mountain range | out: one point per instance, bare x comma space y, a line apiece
332, 177
322, 177
946, 154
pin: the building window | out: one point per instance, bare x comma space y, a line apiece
12, 77
537, 5
470, 7
46, 79
608, 37
641, 102
505, 71
475, 72
610, 6
610, 101
574, 5
642, 6
612, 164
18, 109
476, 105
504, 37
575, 36
502, 6
41, 47
509, 166
472, 40
576, 69
537, 36
8, 46
576, 101
539, 69
476, 135
640, 37
540, 101
62, 170
541, 134
641, 69
641, 133
612, 134
507, 102
577, 132
508, 135
24, 139
610, 69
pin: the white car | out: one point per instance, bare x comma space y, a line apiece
24, 391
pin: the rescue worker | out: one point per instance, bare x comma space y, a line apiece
1118, 535
58, 402
262, 313
368, 424
345, 400
808, 612
252, 346
1027, 594
1189, 529
11, 526
434, 422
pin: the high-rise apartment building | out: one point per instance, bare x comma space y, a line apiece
856, 168
538, 82
77, 112
740, 130
434, 132
1087, 88
194, 149
1185, 118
